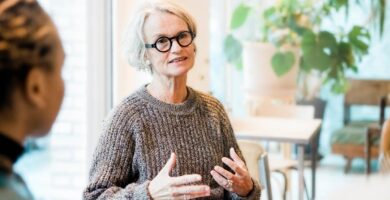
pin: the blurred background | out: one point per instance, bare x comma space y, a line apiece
308, 52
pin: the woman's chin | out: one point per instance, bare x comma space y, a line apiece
180, 70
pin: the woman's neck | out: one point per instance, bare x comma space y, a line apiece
12, 130
171, 91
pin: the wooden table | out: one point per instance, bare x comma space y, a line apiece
296, 131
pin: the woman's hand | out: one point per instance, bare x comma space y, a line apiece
240, 182
163, 186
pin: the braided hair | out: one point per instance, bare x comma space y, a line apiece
26, 42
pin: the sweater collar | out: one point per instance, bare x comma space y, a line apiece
185, 107
9, 149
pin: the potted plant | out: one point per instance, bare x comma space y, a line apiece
294, 29
291, 33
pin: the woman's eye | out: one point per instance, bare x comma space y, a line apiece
162, 40
183, 35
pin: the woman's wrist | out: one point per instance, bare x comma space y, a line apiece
249, 191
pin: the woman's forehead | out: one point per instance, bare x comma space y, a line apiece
162, 23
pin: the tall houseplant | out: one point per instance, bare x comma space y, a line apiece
299, 23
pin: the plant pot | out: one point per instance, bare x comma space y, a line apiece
259, 78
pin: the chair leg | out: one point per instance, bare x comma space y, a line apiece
348, 165
267, 181
285, 183
304, 183
307, 191
368, 152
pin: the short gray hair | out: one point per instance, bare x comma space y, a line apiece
133, 40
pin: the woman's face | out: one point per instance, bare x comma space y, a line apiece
178, 60
54, 89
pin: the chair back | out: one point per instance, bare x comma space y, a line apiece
364, 92
257, 161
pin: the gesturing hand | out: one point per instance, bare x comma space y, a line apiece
240, 182
163, 186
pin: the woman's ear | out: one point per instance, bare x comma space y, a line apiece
35, 88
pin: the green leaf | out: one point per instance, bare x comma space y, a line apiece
282, 62
345, 53
239, 16
269, 12
317, 59
337, 4
359, 38
314, 49
327, 40
382, 16
233, 49
303, 65
308, 41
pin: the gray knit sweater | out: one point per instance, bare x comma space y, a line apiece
140, 134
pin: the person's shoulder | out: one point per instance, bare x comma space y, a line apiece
13, 187
127, 109
209, 102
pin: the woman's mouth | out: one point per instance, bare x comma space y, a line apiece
178, 59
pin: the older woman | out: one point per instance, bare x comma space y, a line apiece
167, 141
31, 86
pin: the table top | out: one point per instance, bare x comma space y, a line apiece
291, 130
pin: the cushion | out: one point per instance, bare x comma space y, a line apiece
353, 133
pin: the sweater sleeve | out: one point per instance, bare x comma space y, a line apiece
111, 175
230, 141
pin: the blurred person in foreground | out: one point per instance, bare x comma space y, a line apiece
31, 86
167, 140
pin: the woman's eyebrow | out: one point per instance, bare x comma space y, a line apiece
158, 35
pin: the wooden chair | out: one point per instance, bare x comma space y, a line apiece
257, 162
359, 139
285, 111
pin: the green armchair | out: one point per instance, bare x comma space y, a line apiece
360, 139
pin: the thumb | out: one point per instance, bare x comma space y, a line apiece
170, 164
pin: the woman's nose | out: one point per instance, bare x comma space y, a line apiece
175, 46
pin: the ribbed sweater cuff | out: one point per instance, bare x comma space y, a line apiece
254, 194
142, 192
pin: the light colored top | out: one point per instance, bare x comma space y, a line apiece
140, 134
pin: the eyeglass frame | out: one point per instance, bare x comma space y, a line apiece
176, 37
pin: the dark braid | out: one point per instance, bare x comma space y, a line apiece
26, 41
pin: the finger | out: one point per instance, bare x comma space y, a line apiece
236, 158
185, 179
232, 165
169, 165
224, 172
219, 179
190, 190
198, 195
192, 196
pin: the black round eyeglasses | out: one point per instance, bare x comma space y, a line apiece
164, 44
